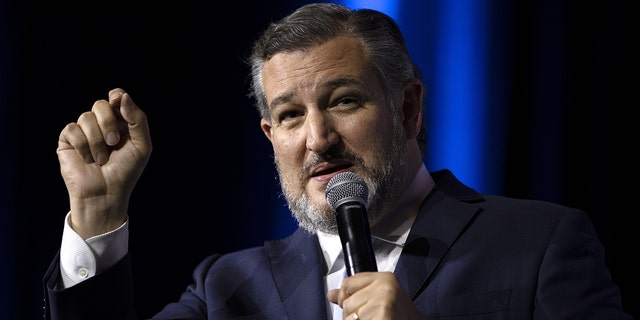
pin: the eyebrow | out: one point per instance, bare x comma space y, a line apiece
333, 84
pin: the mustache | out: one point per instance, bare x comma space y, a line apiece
318, 158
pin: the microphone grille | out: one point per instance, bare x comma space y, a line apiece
346, 186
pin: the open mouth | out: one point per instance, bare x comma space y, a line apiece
329, 169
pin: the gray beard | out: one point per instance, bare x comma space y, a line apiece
383, 187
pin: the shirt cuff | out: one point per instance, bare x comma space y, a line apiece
80, 259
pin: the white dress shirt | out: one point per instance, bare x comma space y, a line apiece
81, 259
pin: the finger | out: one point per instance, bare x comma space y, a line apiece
352, 316
355, 291
353, 304
137, 122
115, 95
332, 295
94, 135
72, 137
115, 98
107, 121
356, 282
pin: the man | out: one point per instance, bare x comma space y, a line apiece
336, 91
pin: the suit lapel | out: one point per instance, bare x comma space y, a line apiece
298, 270
443, 216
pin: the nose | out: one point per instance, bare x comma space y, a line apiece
321, 134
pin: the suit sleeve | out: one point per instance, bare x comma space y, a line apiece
574, 282
108, 295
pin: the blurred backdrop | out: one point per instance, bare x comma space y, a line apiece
522, 99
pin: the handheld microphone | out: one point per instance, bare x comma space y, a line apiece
347, 193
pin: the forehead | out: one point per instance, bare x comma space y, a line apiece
341, 57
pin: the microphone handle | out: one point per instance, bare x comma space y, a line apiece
353, 228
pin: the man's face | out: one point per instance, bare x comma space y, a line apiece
329, 115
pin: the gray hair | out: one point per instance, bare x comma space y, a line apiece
316, 23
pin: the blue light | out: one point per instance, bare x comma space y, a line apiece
389, 7
458, 116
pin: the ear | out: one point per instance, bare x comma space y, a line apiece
266, 128
412, 107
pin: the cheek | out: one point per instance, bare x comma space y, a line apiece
369, 135
286, 147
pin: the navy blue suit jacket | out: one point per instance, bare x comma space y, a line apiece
468, 256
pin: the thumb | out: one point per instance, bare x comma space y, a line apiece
137, 121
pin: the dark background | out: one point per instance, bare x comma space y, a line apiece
210, 185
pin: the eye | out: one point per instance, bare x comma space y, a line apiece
347, 103
288, 115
